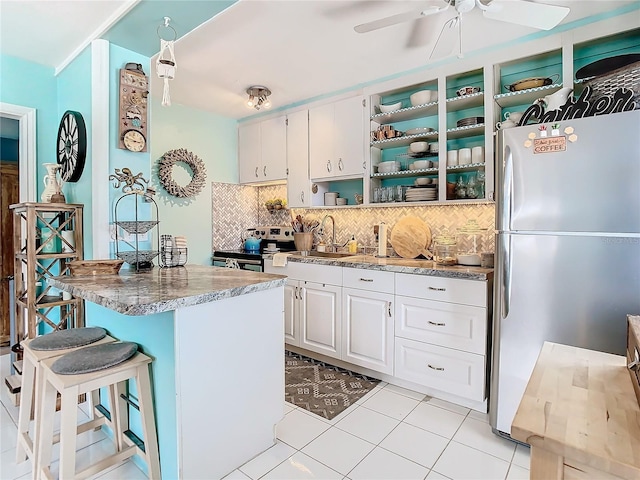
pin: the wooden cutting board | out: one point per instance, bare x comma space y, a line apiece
410, 237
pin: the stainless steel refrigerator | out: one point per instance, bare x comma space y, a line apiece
567, 246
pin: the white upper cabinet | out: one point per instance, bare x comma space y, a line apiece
336, 146
262, 151
298, 184
249, 156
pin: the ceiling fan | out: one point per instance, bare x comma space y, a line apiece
520, 12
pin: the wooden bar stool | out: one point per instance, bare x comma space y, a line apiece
86, 370
51, 345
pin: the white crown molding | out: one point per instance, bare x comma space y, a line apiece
97, 33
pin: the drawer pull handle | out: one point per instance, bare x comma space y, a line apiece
437, 324
437, 289
440, 369
366, 279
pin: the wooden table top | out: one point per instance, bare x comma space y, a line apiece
580, 404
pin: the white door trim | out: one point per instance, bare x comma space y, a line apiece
26, 117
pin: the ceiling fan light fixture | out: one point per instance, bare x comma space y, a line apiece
258, 97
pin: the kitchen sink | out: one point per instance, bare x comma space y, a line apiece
314, 253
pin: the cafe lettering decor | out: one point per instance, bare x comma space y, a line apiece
584, 106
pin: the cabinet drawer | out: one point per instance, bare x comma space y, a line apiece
451, 371
446, 324
373, 280
317, 273
466, 292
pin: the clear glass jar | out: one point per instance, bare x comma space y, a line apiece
446, 249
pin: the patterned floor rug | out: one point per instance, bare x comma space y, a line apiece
323, 389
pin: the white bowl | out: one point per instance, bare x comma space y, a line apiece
390, 108
469, 259
423, 181
419, 147
419, 131
419, 164
422, 97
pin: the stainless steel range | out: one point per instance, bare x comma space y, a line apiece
278, 236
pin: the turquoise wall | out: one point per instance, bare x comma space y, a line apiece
212, 138
154, 335
33, 85
74, 93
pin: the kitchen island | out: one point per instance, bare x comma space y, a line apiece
216, 337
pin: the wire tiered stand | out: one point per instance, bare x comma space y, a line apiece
140, 259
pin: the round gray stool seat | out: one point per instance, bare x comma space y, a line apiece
94, 358
71, 338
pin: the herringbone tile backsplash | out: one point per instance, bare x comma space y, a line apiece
238, 207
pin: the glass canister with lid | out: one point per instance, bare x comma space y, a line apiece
471, 237
446, 249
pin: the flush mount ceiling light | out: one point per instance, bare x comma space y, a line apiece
258, 97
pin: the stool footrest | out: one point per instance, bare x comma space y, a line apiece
136, 440
129, 401
14, 383
17, 365
109, 461
103, 411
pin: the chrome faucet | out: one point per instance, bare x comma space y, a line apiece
333, 233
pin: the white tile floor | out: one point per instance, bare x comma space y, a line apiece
391, 433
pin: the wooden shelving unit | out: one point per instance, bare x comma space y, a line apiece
38, 258
43, 251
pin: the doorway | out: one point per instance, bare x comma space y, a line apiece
17, 184
9, 194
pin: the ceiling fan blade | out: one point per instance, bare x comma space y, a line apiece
447, 40
424, 31
528, 14
398, 18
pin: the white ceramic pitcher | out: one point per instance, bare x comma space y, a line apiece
555, 100
51, 185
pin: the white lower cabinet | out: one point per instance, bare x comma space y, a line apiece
321, 318
292, 312
368, 329
446, 369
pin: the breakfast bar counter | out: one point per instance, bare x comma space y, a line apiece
580, 415
216, 337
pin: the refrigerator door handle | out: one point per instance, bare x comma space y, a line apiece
506, 275
507, 190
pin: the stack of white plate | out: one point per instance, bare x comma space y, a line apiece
416, 194
389, 167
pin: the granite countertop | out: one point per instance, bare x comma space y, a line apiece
165, 289
399, 265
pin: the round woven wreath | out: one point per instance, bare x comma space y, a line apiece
169, 159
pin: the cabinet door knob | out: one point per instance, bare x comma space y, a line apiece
440, 369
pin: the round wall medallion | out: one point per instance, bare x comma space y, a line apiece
72, 146
165, 170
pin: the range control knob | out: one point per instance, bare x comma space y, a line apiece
286, 233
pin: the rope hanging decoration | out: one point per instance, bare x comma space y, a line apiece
165, 168
166, 67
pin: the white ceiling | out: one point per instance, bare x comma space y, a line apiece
300, 49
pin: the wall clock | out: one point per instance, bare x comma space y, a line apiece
132, 124
72, 146
133, 140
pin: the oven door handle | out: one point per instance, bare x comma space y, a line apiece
239, 260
